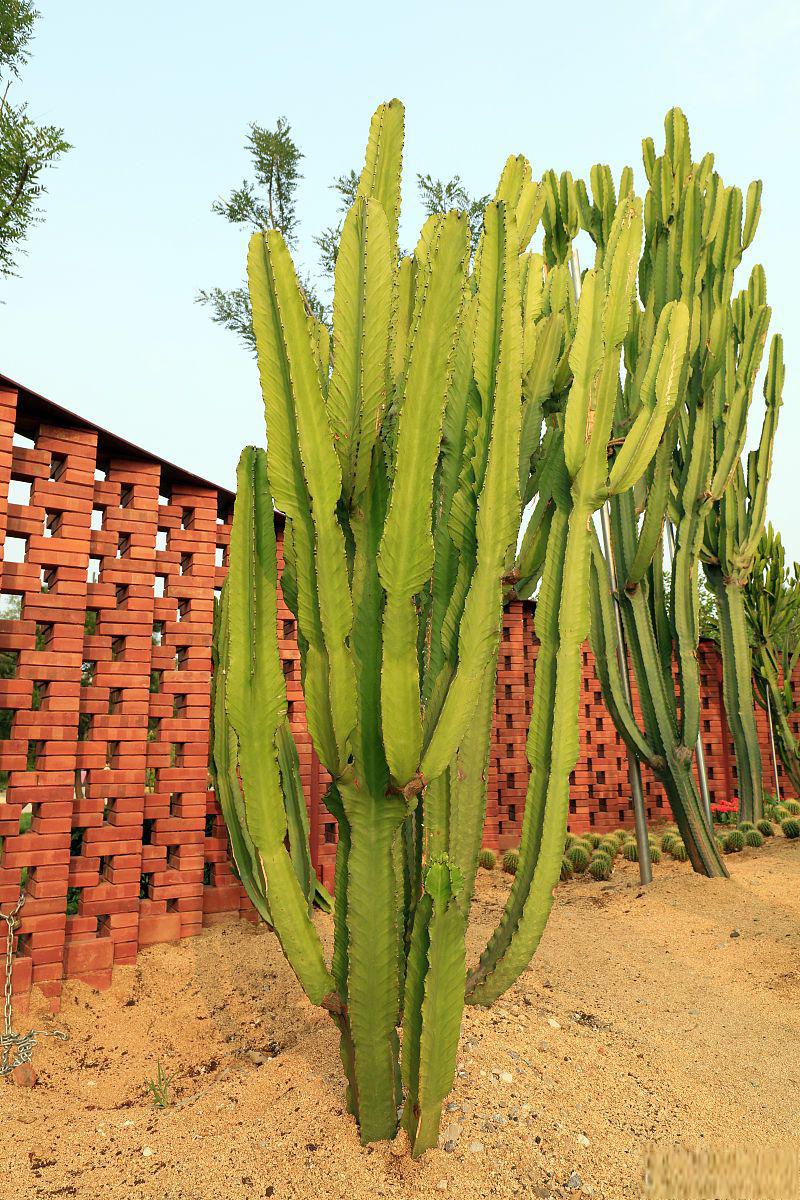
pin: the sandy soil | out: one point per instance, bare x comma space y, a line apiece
655, 1038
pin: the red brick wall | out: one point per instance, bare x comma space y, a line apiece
113, 559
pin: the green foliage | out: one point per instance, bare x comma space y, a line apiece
27, 149
600, 867
511, 862
733, 841
160, 1088
791, 827
487, 859
578, 857
438, 198
753, 838
766, 828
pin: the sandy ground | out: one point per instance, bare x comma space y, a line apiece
654, 1039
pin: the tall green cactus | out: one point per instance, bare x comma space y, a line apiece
772, 604
733, 530
401, 468
694, 240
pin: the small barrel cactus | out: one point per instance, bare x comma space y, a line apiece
791, 827
667, 841
566, 868
579, 857
745, 826
780, 813
766, 828
655, 854
679, 851
753, 838
733, 841
511, 862
569, 840
792, 807
487, 859
610, 846
600, 867
594, 839
629, 852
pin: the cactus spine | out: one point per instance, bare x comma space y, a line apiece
401, 468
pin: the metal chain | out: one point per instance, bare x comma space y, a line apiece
17, 1048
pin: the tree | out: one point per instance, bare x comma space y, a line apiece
268, 201
26, 149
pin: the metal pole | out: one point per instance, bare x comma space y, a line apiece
700, 753
772, 746
634, 769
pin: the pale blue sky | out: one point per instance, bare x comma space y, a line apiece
156, 98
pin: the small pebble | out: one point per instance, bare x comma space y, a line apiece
476, 1147
441, 1185
506, 1077
574, 1182
553, 1023
582, 1140
147, 1152
735, 933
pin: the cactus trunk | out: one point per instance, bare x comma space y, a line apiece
737, 683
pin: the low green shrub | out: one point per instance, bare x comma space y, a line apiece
579, 857
511, 862
733, 842
487, 859
600, 867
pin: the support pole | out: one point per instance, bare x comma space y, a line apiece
772, 747
700, 753
634, 769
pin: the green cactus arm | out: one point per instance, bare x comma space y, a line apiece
602, 636
658, 395
552, 752
752, 212
737, 673
373, 974
499, 504
226, 779
468, 781
533, 549
651, 532
362, 301
433, 1020
380, 176
762, 462
296, 812
255, 696
278, 324
736, 418
523, 195
585, 358
406, 550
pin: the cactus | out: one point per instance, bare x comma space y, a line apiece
566, 869
655, 854
792, 807
791, 827
745, 826
668, 839
753, 838
402, 454
594, 840
733, 841
735, 522
629, 852
578, 856
610, 846
511, 861
694, 240
766, 828
487, 859
600, 867
772, 606
679, 852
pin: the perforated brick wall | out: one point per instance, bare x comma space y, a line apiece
111, 560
